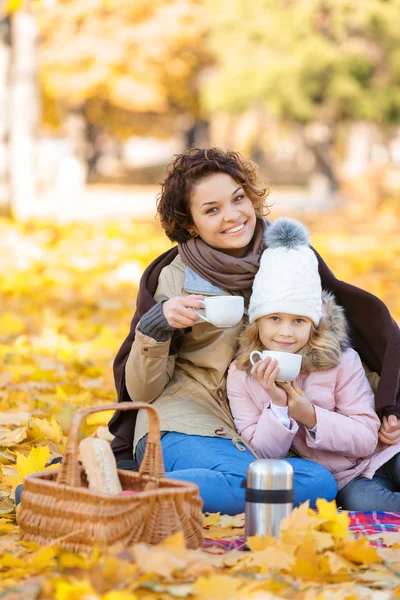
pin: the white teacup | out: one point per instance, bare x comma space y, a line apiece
222, 311
289, 364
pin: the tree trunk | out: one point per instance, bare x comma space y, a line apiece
5, 60
24, 114
318, 138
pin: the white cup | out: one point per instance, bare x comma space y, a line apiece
289, 364
222, 311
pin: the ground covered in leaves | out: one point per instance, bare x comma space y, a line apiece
67, 297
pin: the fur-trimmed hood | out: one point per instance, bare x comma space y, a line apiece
330, 337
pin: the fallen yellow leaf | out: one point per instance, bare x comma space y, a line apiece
360, 552
337, 522
34, 462
222, 587
9, 438
45, 430
76, 590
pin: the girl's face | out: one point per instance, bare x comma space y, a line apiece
284, 333
223, 216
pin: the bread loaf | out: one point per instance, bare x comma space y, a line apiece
100, 466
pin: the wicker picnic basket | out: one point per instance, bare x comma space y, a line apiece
57, 508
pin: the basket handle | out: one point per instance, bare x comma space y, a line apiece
152, 463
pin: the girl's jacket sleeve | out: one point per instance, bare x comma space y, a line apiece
149, 366
254, 419
351, 429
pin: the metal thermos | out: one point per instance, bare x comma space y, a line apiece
269, 496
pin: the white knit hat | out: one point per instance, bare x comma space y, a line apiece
287, 280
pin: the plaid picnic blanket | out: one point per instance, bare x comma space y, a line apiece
361, 523
369, 523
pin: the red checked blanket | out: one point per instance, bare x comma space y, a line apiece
368, 523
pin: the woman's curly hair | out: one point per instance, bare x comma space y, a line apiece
193, 165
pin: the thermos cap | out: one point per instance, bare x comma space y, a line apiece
270, 474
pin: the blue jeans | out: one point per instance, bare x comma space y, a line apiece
218, 468
381, 493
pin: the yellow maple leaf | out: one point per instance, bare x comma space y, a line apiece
15, 419
76, 590
232, 521
34, 462
157, 560
301, 518
307, 548
275, 559
323, 540
10, 481
119, 596
216, 532
70, 560
219, 526
360, 552
336, 522
64, 417
222, 587
257, 543
9, 561
306, 570
42, 428
211, 519
9, 438
43, 559
99, 418
332, 564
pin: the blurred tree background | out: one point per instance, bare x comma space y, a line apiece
128, 67
315, 65
97, 95
309, 88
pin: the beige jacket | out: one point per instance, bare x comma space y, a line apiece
189, 389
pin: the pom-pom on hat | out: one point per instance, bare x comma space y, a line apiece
287, 280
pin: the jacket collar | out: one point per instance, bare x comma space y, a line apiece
331, 337
196, 284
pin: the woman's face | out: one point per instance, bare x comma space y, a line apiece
223, 216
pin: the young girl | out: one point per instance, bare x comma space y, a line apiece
327, 413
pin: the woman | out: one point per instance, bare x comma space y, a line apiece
212, 205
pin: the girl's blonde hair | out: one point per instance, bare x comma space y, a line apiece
322, 351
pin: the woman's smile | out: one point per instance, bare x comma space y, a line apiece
237, 229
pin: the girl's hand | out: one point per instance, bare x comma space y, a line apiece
178, 311
265, 372
300, 409
389, 433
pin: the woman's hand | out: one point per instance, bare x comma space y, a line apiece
178, 311
389, 433
300, 409
265, 372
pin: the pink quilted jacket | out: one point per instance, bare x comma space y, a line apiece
346, 440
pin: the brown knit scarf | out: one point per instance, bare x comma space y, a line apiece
235, 275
